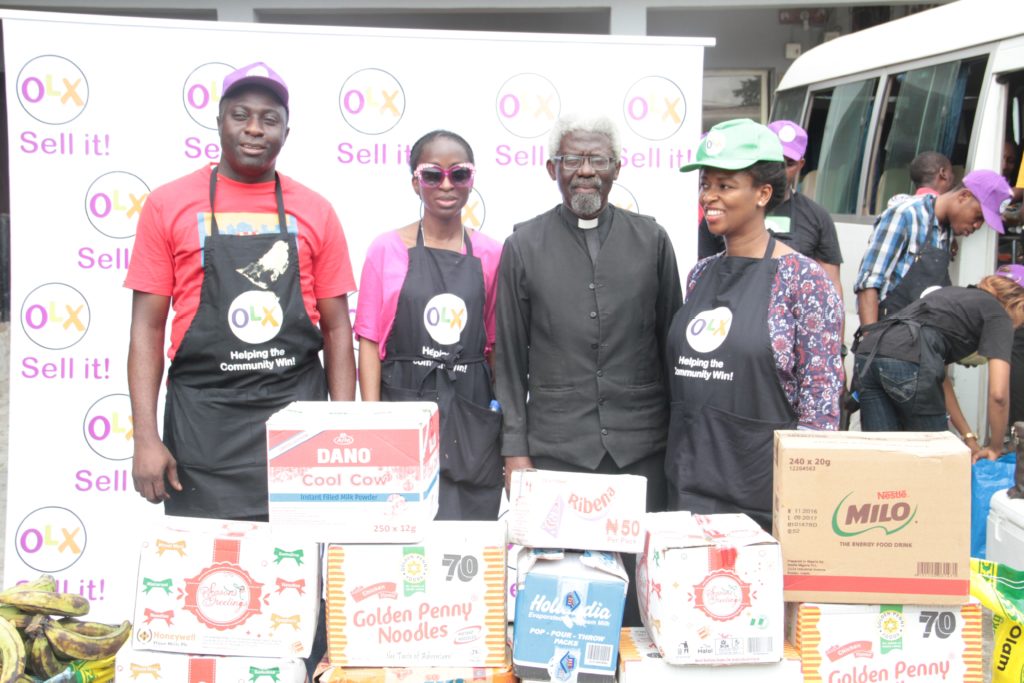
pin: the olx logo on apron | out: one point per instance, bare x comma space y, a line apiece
255, 317
709, 329
445, 317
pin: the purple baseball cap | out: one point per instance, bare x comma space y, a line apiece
257, 73
792, 137
992, 191
1014, 272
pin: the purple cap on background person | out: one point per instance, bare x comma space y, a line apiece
992, 191
1014, 272
257, 73
792, 137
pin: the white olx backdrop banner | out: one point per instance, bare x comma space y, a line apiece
102, 110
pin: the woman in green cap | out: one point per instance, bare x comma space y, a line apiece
755, 346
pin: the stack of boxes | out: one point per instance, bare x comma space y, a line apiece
875, 534
571, 584
222, 601
871, 555
407, 598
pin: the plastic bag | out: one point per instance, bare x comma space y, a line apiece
1001, 589
987, 477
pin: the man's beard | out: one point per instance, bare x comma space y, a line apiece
586, 203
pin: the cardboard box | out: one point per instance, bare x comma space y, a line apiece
640, 662
924, 644
710, 589
582, 511
337, 674
568, 616
437, 603
347, 472
512, 579
225, 588
142, 665
873, 517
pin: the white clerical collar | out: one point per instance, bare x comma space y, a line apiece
587, 223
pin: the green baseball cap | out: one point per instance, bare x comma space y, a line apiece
736, 144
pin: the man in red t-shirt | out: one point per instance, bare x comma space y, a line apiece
259, 286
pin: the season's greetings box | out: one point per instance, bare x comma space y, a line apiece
873, 517
577, 510
438, 602
217, 587
920, 643
353, 472
640, 662
147, 665
710, 589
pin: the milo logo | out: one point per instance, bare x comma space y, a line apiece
858, 518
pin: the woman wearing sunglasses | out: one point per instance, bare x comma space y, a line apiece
755, 346
425, 324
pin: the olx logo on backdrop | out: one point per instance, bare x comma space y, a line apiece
474, 213
623, 198
654, 108
108, 427
372, 101
113, 203
201, 92
527, 105
55, 316
52, 89
50, 539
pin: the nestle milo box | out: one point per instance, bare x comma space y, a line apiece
873, 517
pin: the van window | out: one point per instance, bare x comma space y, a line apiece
837, 132
789, 105
928, 109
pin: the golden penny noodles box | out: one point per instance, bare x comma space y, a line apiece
439, 602
216, 587
873, 517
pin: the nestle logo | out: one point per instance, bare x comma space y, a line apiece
343, 439
887, 495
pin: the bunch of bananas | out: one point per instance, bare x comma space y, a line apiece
42, 639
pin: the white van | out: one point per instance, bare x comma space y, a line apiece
950, 79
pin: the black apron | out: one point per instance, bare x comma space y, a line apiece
430, 359
250, 351
929, 398
727, 401
929, 269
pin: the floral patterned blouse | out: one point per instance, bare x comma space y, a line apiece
804, 322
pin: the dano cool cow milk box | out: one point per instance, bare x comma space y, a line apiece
873, 517
215, 587
577, 510
568, 615
348, 472
438, 602
710, 589
919, 643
